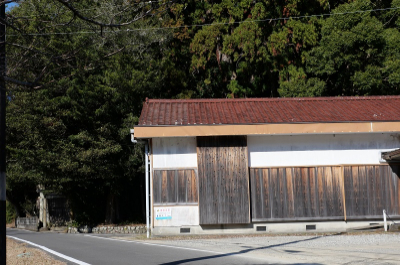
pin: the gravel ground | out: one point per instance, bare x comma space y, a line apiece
365, 248
19, 253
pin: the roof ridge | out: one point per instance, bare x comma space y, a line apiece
274, 99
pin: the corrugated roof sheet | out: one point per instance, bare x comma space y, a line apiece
393, 155
166, 112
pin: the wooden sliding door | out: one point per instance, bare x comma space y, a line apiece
223, 180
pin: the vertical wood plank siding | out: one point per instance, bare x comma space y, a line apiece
175, 186
370, 189
324, 193
223, 180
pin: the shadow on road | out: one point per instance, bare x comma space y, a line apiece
240, 252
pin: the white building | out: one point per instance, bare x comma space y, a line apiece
274, 165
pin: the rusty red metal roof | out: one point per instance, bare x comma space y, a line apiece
167, 112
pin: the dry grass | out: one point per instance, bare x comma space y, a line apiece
21, 254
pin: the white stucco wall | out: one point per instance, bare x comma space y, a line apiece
318, 150
180, 215
178, 152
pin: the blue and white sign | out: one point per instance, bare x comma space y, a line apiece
163, 214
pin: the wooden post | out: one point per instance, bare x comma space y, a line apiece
343, 194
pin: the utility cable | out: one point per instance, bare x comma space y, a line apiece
88, 9
209, 24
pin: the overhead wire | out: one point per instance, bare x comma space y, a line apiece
88, 9
209, 24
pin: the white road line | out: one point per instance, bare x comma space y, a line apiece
159, 245
51, 251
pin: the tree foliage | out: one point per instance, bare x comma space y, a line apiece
357, 54
255, 48
69, 129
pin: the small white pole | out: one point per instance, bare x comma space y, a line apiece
147, 188
146, 152
384, 220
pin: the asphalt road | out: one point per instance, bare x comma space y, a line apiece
362, 248
102, 250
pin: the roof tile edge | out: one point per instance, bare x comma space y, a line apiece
273, 99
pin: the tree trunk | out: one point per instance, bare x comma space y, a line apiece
112, 211
16, 208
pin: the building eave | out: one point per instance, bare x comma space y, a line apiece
266, 129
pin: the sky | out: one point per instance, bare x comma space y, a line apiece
9, 6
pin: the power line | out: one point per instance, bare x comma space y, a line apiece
209, 24
88, 9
